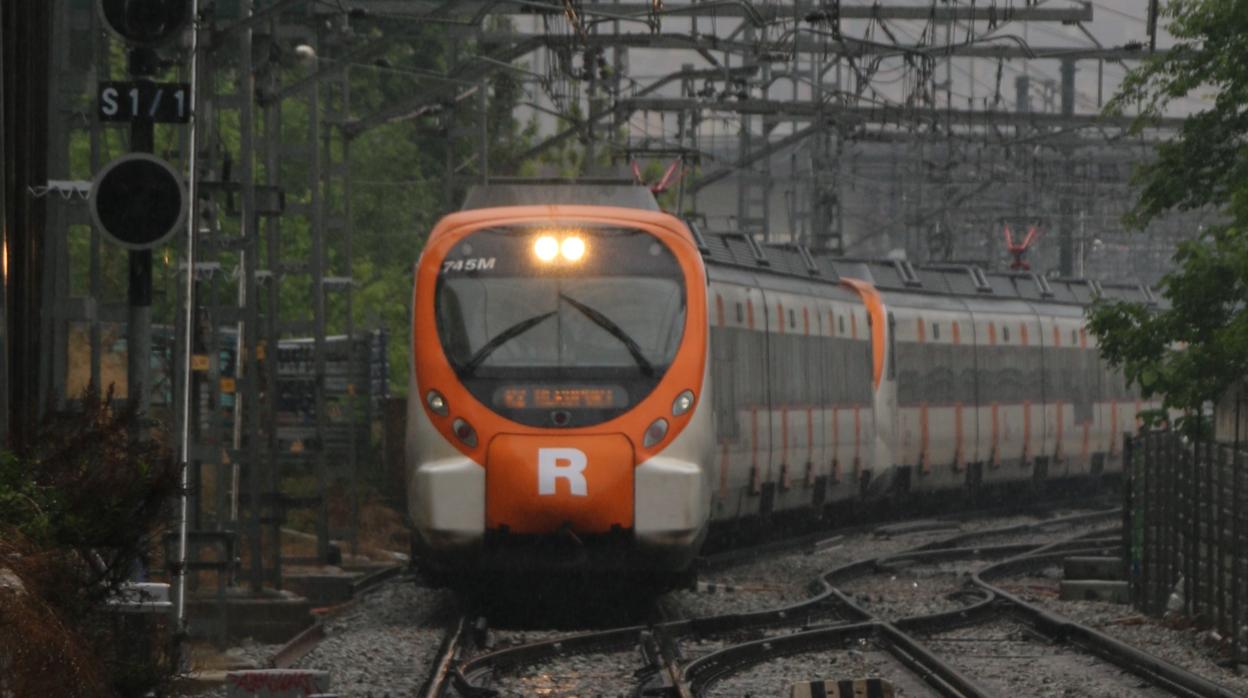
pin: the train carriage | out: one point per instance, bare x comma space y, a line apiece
595, 386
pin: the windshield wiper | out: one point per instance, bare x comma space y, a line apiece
499, 340
615, 330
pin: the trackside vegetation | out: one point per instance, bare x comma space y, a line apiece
80, 514
1195, 347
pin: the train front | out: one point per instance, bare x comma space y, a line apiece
556, 418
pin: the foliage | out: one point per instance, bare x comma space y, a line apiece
89, 486
41, 653
1196, 346
76, 514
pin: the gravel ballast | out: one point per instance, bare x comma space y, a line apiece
1008, 659
1169, 639
385, 645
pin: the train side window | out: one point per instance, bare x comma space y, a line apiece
1074, 338
892, 347
840, 324
1005, 333
792, 319
740, 314
935, 330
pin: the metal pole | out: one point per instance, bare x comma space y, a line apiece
4, 246
246, 367
1066, 262
484, 155
1237, 536
184, 455
272, 168
316, 206
139, 318
1152, 25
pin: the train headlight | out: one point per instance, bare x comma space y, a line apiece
546, 248
437, 403
573, 248
683, 403
464, 432
655, 433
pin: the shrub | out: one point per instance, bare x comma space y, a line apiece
78, 511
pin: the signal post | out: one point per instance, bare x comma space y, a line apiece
137, 200
139, 294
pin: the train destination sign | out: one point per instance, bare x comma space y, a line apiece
579, 397
162, 102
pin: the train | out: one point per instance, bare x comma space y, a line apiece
597, 384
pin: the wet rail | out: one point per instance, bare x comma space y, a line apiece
825, 619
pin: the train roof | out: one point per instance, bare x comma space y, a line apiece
622, 193
742, 251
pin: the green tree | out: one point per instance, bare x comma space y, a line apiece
1196, 346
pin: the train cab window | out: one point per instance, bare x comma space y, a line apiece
740, 314
567, 344
935, 330
1005, 333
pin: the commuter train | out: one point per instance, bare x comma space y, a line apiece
595, 386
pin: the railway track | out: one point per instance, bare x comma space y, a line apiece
304, 642
912, 638
689, 656
942, 519
443, 673
1167, 677
867, 617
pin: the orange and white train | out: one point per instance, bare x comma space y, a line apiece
595, 386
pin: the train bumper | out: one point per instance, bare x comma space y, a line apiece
670, 506
669, 523
448, 503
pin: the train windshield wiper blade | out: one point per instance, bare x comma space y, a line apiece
615, 331
499, 340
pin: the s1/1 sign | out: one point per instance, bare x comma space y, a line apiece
161, 102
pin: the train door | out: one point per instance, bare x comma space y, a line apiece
1026, 419
849, 412
787, 390
1056, 407
908, 332
739, 383
964, 395
1092, 422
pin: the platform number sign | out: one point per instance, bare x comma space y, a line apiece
160, 102
138, 201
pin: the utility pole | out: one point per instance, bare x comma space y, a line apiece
1152, 25
1066, 262
143, 64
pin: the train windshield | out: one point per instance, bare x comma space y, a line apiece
560, 325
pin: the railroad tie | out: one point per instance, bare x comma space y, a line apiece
845, 688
